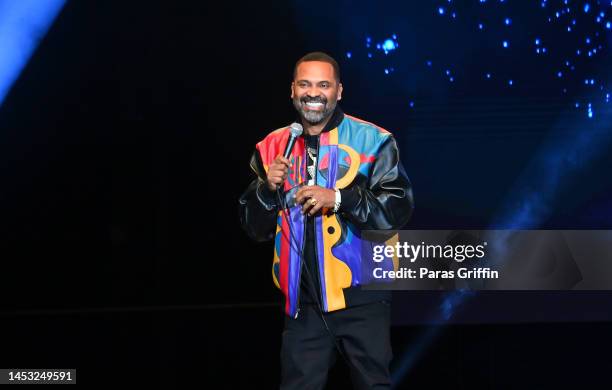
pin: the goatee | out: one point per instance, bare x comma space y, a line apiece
311, 116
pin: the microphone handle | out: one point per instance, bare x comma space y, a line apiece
288, 149
289, 146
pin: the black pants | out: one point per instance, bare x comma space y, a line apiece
308, 351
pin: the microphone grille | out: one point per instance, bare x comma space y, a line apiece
296, 129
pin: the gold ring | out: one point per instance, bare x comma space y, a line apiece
313, 201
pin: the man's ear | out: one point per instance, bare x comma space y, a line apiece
292, 90
339, 91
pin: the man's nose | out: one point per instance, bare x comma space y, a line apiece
313, 92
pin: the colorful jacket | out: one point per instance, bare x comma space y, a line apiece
362, 161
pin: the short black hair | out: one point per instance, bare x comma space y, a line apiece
319, 56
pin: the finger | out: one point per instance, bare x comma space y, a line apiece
302, 191
285, 161
277, 174
280, 160
315, 209
275, 180
306, 207
308, 204
278, 165
278, 180
304, 197
298, 194
305, 188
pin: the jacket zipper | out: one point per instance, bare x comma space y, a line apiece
299, 286
314, 236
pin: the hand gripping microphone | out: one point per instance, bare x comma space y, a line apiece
296, 130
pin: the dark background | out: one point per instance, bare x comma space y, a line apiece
125, 147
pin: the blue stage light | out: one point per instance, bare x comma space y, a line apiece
388, 45
23, 24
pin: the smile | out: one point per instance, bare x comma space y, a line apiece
314, 105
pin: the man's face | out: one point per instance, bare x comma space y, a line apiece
315, 91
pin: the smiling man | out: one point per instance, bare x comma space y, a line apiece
343, 176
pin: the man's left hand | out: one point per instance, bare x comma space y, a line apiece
314, 198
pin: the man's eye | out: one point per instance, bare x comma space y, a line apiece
324, 85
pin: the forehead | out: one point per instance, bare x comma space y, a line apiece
315, 71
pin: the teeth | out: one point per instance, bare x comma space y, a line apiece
314, 104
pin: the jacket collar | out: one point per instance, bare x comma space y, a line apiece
336, 117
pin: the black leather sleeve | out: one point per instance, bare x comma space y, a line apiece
257, 206
385, 200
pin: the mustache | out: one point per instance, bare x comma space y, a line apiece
319, 99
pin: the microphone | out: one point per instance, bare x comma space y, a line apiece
296, 130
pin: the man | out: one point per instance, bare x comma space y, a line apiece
343, 176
